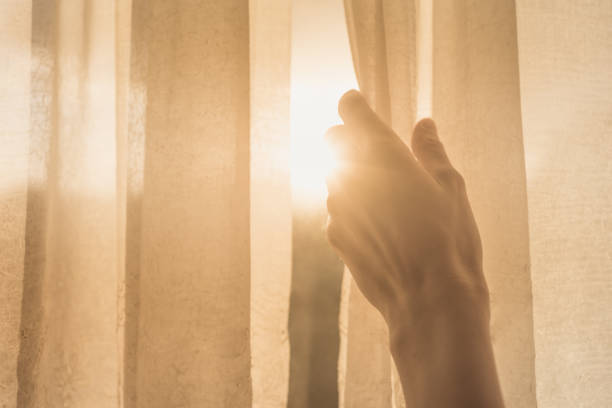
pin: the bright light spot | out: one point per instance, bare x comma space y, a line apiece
424, 58
313, 111
311, 161
321, 71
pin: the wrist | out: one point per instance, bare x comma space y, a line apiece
442, 348
452, 296
460, 318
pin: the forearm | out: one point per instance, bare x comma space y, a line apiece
444, 355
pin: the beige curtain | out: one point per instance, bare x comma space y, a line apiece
565, 54
145, 201
535, 151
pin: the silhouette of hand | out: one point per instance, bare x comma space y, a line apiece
402, 223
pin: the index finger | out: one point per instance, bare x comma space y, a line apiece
357, 114
360, 118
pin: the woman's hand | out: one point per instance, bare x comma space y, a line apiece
402, 223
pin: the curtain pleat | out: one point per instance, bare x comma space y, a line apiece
129, 175
68, 351
15, 51
194, 283
476, 104
270, 189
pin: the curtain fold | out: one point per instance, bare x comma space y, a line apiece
194, 281
476, 104
15, 38
68, 350
270, 189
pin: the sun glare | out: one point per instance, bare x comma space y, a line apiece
311, 161
313, 111
321, 71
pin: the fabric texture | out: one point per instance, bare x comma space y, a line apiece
270, 200
565, 54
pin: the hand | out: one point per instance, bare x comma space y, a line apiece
402, 223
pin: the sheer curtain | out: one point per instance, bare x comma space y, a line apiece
145, 249
535, 151
145, 195
565, 54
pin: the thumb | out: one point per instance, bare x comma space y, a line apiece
429, 150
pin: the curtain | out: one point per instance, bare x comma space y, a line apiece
146, 209
145, 203
565, 54
535, 151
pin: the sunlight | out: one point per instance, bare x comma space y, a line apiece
315, 90
311, 161
313, 111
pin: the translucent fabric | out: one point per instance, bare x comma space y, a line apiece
535, 152
146, 208
565, 54
145, 195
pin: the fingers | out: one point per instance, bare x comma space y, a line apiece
379, 141
430, 152
357, 114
